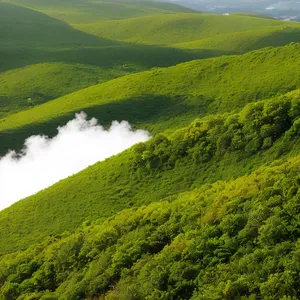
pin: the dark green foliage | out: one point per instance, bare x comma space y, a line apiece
219, 147
208, 208
222, 241
256, 128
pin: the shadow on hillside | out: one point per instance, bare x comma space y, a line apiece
137, 57
146, 112
22, 26
142, 56
30, 37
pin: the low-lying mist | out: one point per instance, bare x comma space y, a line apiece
44, 161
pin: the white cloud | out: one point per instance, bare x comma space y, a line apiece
44, 161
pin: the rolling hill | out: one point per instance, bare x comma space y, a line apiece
214, 230
164, 107
174, 28
241, 42
33, 46
36, 84
86, 11
52, 42
22, 27
208, 208
165, 99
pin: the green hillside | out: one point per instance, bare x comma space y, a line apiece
87, 11
34, 47
165, 99
31, 39
249, 14
200, 153
110, 62
22, 27
174, 28
208, 208
223, 240
240, 42
36, 84
168, 112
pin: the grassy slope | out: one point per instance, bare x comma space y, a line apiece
254, 15
215, 242
112, 61
240, 42
120, 182
36, 84
111, 186
34, 40
69, 46
162, 242
23, 27
174, 28
50, 40
25, 34
85, 11
169, 97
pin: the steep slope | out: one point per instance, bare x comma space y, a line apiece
167, 98
208, 208
222, 241
218, 147
174, 28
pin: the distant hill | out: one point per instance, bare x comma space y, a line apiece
174, 28
31, 41
49, 41
240, 42
86, 11
26, 27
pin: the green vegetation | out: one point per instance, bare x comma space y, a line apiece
220, 241
174, 28
32, 40
87, 11
240, 42
206, 209
167, 99
36, 84
203, 152
22, 27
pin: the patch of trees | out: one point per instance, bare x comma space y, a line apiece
229, 240
256, 128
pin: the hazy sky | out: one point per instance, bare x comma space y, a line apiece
284, 9
246, 3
